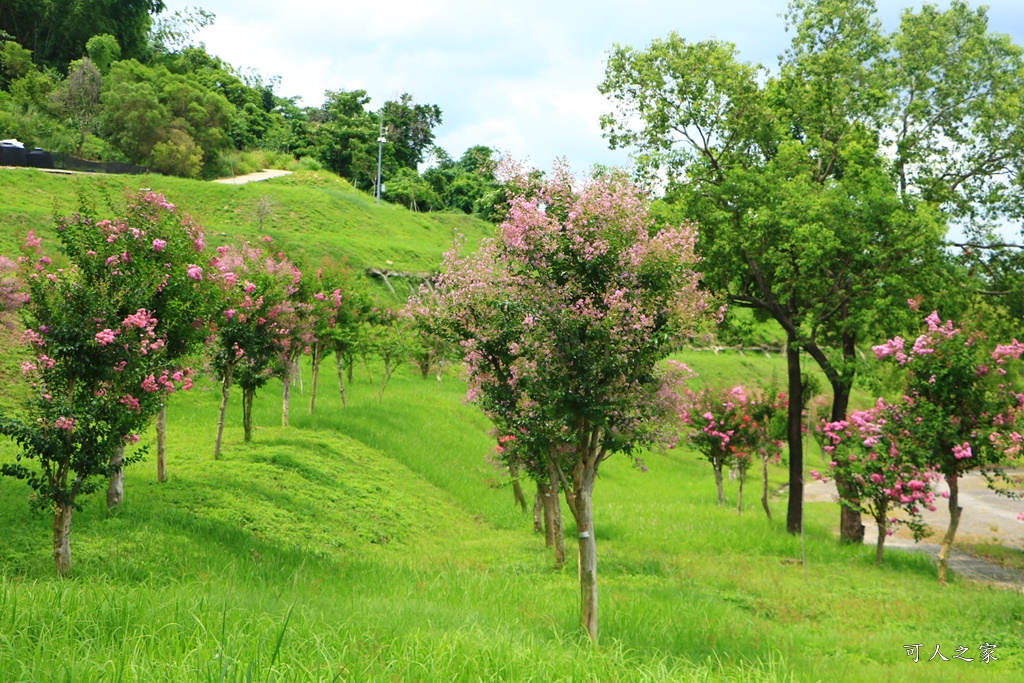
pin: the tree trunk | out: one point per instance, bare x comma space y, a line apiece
954, 522
349, 365
717, 465
315, 381
286, 395
557, 530
161, 444
764, 487
739, 498
851, 527
115, 487
587, 551
794, 434
225, 390
62, 538
517, 488
538, 510
549, 514
883, 526
247, 397
341, 379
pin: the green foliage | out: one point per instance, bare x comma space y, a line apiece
59, 31
103, 50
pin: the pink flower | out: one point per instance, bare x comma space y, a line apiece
159, 245
67, 423
230, 313
105, 337
131, 438
32, 241
962, 451
195, 272
131, 403
877, 478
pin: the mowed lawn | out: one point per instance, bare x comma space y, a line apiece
378, 543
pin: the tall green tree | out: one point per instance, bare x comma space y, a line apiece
56, 31
823, 190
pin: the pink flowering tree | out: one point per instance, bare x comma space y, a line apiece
339, 307
589, 296
964, 408
879, 453
732, 427
253, 324
101, 361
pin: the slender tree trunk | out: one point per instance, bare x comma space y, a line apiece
161, 443
350, 363
883, 527
741, 476
716, 464
538, 510
247, 397
794, 433
315, 381
225, 391
556, 514
286, 395
587, 551
341, 379
62, 538
764, 487
517, 488
851, 527
954, 522
549, 514
115, 487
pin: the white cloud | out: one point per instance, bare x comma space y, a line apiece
517, 76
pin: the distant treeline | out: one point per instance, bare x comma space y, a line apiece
119, 81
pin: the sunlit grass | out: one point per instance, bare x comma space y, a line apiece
399, 555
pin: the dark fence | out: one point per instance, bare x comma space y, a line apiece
38, 158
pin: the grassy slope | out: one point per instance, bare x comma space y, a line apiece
312, 214
410, 563
394, 546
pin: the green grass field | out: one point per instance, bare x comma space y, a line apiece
376, 543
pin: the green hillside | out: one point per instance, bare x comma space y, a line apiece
307, 213
376, 543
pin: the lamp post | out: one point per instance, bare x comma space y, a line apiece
380, 156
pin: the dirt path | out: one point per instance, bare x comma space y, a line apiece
986, 518
253, 177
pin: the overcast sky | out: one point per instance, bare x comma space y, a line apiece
517, 76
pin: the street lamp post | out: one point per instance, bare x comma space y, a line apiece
380, 156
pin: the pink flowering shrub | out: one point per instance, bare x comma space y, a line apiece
878, 453
116, 317
563, 319
963, 415
254, 322
730, 428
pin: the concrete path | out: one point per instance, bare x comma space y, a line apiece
986, 518
253, 177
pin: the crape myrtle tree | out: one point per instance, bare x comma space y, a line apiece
253, 323
589, 296
101, 361
339, 306
729, 427
823, 189
966, 412
880, 452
